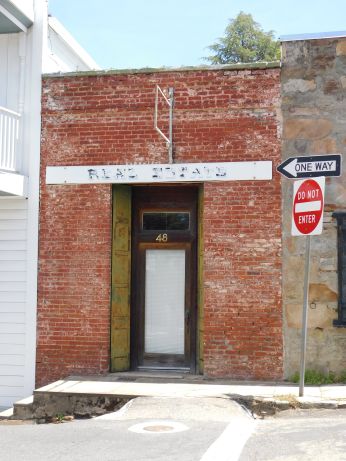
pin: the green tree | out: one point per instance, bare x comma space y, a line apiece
244, 41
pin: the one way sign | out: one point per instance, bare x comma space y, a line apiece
311, 167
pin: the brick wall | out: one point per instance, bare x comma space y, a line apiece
219, 115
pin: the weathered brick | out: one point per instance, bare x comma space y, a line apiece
108, 119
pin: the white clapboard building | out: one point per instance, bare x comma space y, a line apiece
30, 42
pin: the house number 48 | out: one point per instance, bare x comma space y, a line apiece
162, 238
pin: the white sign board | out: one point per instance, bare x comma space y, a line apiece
308, 202
158, 173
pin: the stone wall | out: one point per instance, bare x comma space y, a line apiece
314, 123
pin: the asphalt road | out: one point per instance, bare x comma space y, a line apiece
147, 429
299, 435
167, 429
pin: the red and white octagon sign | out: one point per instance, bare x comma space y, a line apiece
308, 201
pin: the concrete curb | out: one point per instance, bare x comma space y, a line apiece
86, 406
260, 407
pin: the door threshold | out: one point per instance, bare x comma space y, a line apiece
151, 375
163, 369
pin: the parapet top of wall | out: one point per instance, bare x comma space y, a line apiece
312, 57
312, 36
150, 70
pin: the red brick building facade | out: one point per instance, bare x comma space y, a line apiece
220, 115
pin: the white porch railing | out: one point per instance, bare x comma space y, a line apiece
9, 140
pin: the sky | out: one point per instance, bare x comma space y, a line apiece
130, 34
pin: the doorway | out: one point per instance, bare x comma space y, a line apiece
163, 282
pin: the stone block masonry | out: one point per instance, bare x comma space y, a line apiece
220, 115
313, 110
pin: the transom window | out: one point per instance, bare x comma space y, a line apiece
166, 221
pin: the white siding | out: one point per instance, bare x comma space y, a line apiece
19, 217
13, 277
63, 53
9, 71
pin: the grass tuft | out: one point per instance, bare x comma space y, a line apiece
317, 378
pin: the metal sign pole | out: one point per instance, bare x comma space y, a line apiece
304, 317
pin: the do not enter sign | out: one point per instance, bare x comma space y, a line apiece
308, 201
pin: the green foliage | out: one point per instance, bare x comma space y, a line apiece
244, 42
342, 377
317, 378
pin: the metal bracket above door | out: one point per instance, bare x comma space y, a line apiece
169, 101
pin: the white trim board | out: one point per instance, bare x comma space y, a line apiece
13, 184
158, 173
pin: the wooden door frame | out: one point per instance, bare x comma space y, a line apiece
120, 279
143, 240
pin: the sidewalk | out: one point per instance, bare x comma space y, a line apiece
85, 396
131, 384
